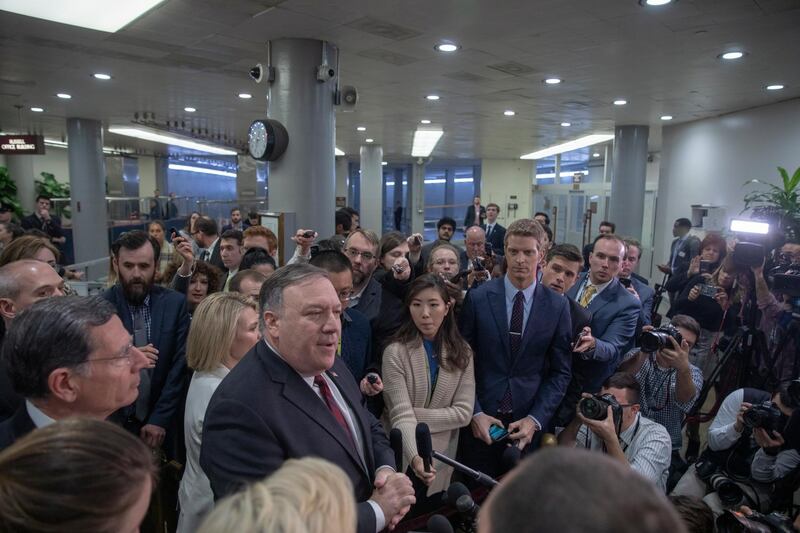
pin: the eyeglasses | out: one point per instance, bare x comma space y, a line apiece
126, 359
366, 256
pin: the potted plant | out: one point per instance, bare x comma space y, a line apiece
777, 205
51, 187
8, 192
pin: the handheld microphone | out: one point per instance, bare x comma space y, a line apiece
455, 491
478, 476
465, 504
424, 445
396, 442
511, 457
439, 524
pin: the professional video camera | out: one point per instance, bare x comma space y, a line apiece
784, 277
653, 340
766, 416
596, 406
734, 521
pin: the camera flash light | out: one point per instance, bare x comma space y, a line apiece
749, 226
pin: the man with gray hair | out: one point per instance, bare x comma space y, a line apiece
291, 397
22, 283
68, 357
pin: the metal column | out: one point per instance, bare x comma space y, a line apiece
372, 188
626, 208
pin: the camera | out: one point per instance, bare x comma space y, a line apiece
765, 415
656, 339
325, 73
748, 254
596, 408
626, 282
478, 265
257, 73
705, 267
730, 494
488, 249
708, 290
734, 521
785, 275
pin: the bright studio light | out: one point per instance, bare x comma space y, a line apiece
749, 226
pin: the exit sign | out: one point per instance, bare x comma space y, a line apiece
22, 144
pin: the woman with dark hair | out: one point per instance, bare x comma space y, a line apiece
205, 280
258, 259
393, 246
76, 475
713, 250
428, 377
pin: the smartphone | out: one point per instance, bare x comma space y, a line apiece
140, 337
497, 433
626, 282
705, 267
708, 290
488, 249
308, 234
577, 340
457, 278
173, 233
417, 240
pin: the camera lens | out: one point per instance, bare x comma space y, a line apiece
593, 409
652, 341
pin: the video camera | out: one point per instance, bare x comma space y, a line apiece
656, 339
596, 408
784, 277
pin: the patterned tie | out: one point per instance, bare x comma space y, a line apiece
514, 341
589, 291
326, 394
204, 255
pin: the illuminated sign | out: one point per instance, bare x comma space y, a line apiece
22, 144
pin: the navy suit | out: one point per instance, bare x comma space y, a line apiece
15, 427
168, 330
539, 374
263, 413
615, 313
497, 238
646, 296
356, 343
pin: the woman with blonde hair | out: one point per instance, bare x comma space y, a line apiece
76, 474
224, 328
306, 495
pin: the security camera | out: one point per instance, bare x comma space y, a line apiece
325, 73
257, 73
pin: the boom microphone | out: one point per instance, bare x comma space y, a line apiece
424, 445
439, 524
396, 442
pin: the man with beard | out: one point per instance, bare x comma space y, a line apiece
156, 318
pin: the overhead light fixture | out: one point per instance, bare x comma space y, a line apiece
202, 170
553, 81
447, 46
64, 96
101, 76
749, 226
425, 140
37, 110
734, 54
424, 121
666, 117
189, 109
655, 2
596, 154
384, 163
361, 128
158, 136
582, 142
369, 140
106, 149
775, 87
92, 14
509, 113
620, 101
566, 124
245, 96
337, 151
432, 97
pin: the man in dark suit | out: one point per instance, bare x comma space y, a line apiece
475, 214
236, 221
681, 252
207, 238
42, 220
605, 228
68, 357
520, 333
614, 310
495, 233
158, 321
637, 287
291, 397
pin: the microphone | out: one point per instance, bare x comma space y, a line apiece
396, 442
511, 457
439, 524
465, 504
455, 491
478, 476
424, 445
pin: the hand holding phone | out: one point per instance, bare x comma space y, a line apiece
497, 433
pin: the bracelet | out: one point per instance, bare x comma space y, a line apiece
190, 272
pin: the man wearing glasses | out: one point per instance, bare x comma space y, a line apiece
82, 363
361, 247
635, 440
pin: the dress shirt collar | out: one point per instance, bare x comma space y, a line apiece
628, 435
511, 290
38, 418
600, 288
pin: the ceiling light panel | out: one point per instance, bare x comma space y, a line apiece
425, 140
582, 142
171, 139
91, 14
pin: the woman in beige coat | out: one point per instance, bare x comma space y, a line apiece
428, 377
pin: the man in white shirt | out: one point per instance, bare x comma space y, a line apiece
230, 251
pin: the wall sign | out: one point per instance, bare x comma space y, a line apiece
22, 144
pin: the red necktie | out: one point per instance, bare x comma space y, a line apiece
333, 407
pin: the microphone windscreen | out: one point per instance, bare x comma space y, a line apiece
396, 442
439, 524
511, 457
424, 446
455, 491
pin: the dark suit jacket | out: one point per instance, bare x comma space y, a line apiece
216, 257
580, 317
539, 374
615, 312
168, 330
646, 296
469, 216
15, 427
687, 250
263, 413
356, 342
497, 238
51, 227
10, 401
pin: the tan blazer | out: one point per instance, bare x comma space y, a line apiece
407, 392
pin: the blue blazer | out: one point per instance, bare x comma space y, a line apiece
168, 329
356, 343
646, 296
539, 374
615, 313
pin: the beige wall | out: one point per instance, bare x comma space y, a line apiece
503, 178
54, 161
147, 175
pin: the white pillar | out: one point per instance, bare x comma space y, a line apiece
372, 188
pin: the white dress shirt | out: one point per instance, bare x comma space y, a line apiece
38, 418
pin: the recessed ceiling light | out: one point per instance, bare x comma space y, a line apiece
732, 55
566, 124
595, 154
666, 117
37, 110
361, 128
65, 96
655, 2
245, 96
432, 97
369, 140
92, 14
447, 47
509, 113
775, 87
384, 163
553, 81
620, 102
189, 109
101, 76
